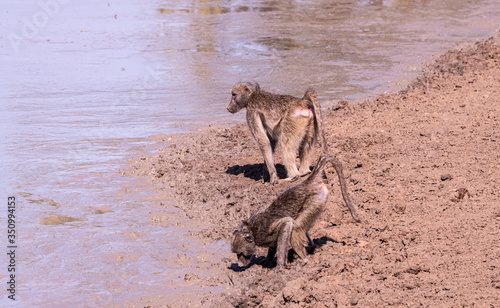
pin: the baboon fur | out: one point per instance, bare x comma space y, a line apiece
293, 122
286, 222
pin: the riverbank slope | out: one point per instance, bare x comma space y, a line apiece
423, 169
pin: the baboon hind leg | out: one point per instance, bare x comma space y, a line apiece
292, 142
284, 234
299, 242
311, 210
305, 151
289, 159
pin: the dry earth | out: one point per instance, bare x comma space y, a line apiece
423, 168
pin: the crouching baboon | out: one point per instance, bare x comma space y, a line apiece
286, 222
272, 118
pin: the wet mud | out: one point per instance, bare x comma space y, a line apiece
422, 170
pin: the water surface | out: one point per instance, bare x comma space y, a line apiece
84, 84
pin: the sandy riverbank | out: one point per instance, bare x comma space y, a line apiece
423, 168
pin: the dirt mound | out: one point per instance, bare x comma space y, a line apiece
423, 171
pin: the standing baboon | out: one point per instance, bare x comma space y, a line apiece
287, 220
272, 118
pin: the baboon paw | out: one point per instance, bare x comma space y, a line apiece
279, 269
273, 180
303, 173
305, 261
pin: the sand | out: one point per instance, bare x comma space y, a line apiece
422, 167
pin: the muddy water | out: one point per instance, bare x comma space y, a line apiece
83, 85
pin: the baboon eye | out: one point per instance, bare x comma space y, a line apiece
249, 237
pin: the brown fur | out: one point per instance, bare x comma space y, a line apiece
287, 220
274, 118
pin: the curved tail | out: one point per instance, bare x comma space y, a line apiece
318, 121
318, 171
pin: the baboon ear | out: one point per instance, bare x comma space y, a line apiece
249, 237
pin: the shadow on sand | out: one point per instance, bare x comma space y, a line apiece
256, 171
318, 243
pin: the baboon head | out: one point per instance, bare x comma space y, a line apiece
240, 95
243, 245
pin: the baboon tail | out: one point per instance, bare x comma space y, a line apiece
340, 173
299, 240
318, 170
318, 121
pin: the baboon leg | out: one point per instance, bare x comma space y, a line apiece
290, 146
311, 210
305, 154
299, 242
266, 147
269, 261
290, 163
269, 167
305, 160
284, 234
271, 252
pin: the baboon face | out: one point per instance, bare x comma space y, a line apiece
240, 94
244, 247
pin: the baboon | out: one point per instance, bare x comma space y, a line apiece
272, 118
286, 222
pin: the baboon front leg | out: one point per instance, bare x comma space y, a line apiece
269, 261
266, 146
267, 152
284, 235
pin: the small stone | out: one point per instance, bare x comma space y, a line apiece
446, 177
354, 301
